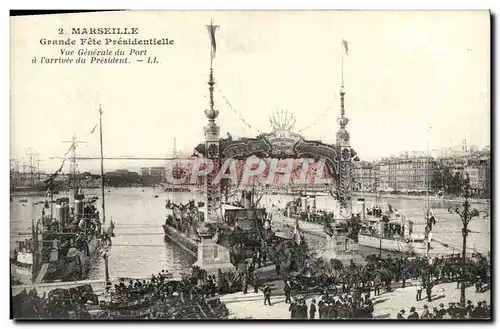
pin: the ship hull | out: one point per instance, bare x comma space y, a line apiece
391, 244
58, 270
188, 244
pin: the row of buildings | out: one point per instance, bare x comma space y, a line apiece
159, 171
417, 173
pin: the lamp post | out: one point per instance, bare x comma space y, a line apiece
466, 215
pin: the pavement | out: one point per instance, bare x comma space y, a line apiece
386, 305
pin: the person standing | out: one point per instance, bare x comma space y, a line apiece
321, 309
425, 314
376, 285
413, 314
303, 309
312, 309
267, 295
403, 277
419, 291
293, 310
287, 289
428, 290
469, 309
441, 312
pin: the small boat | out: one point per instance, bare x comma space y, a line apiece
156, 196
23, 200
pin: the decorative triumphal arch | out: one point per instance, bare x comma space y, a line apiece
281, 143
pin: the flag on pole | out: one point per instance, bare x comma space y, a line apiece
211, 32
93, 130
60, 168
346, 47
54, 175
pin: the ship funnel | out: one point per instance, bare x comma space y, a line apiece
62, 210
79, 205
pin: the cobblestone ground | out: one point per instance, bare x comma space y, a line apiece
387, 305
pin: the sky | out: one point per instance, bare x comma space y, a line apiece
405, 71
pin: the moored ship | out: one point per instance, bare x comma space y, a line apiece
391, 231
181, 224
61, 246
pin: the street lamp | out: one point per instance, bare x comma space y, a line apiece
466, 215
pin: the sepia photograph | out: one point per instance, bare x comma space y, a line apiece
250, 165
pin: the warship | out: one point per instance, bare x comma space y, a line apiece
63, 242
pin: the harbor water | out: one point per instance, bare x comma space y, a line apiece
140, 249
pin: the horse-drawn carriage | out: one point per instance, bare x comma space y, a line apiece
301, 284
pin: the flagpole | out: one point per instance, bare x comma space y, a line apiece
211, 48
342, 65
211, 82
102, 170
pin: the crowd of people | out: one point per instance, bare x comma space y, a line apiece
342, 306
160, 297
347, 290
453, 311
342, 291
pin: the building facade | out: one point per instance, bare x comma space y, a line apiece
159, 172
363, 176
416, 173
476, 166
406, 174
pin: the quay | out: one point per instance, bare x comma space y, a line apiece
419, 197
386, 305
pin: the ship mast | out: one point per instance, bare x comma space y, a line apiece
32, 154
74, 142
102, 169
